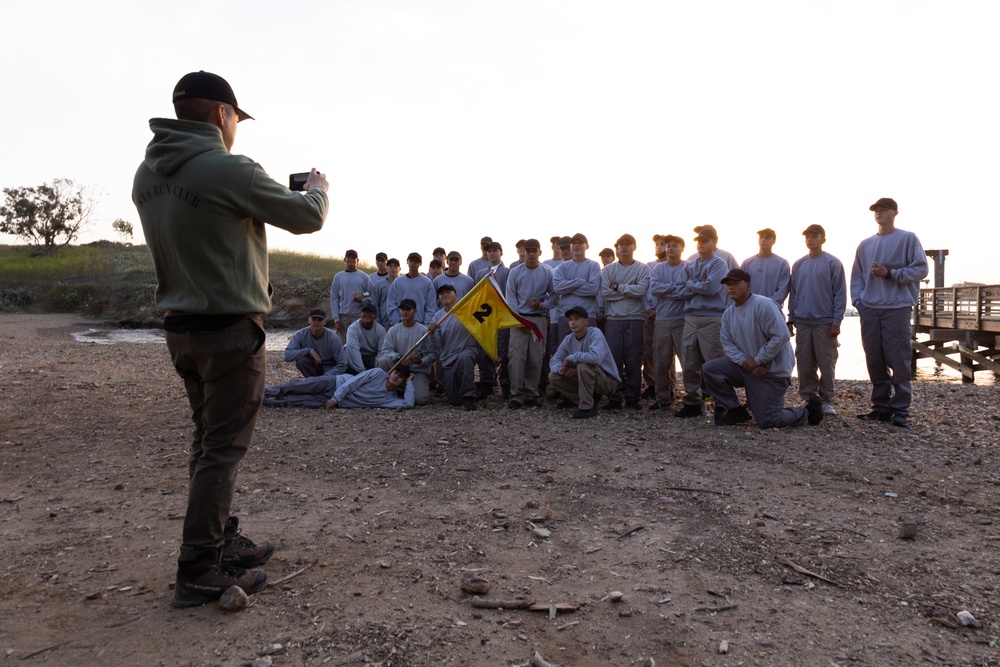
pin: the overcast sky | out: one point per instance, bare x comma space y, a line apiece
439, 122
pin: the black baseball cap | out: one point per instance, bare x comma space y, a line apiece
532, 243
884, 201
381, 255
736, 275
204, 85
317, 312
814, 229
408, 303
415, 256
578, 310
706, 232
368, 304
446, 287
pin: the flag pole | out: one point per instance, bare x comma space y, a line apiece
417, 344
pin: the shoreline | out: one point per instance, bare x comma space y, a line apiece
927, 372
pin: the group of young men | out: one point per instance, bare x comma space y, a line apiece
619, 329
204, 209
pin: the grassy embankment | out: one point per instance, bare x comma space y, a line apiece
115, 282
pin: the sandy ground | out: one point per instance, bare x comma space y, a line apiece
777, 547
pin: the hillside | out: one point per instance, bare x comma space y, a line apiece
114, 282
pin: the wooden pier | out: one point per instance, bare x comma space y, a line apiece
962, 325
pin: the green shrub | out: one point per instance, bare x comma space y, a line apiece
64, 298
15, 299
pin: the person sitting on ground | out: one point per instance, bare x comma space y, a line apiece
401, 339
758, 357
457, 352
365, 340
583, 368
315, 349
373, 388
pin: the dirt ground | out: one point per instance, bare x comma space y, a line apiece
728, 546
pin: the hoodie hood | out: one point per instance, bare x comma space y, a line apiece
177, 141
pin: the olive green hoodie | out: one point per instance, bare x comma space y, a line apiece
203, 212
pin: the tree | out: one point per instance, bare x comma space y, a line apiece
123, 228
48, 216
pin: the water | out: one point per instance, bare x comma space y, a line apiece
850, 364
277, 339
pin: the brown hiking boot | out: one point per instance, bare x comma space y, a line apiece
241, 551
197, 585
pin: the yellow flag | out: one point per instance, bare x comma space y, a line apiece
484, 311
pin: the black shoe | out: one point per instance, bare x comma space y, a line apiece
198, 585
875, 415
505, 391
241, 551
649, 393
585, 414
632, 405
814, 408
483, 392
655, 406
688, 410
532, 403
732, 417
514, 405
470, 404
565, 404
900, 420
613, 405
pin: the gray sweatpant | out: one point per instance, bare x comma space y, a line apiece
765, 395
885, 336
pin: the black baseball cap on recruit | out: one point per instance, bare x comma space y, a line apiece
204, 85
577, 310
317, 312
736, 275
884, 201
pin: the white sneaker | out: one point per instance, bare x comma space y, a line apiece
828, 409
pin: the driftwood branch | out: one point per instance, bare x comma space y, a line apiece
481, 603
292, 575
630, 532
685, 488
802, 570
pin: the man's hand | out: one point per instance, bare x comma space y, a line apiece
432, 327
357, 297
316, 180
318, 360
567, 370
651, 314
331, 404
878, 270
752, 367
791, 329
535, 304
338, 327
834, 332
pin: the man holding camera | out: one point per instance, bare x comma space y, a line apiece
203, 211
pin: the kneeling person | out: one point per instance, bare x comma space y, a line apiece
583, 367
457, 352
758, 357
315, 349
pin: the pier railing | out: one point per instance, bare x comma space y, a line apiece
971, 308
962, 325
